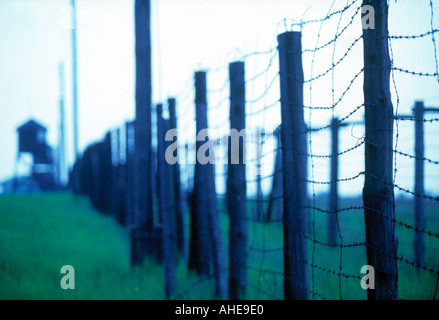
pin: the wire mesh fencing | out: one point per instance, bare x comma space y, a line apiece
328, 176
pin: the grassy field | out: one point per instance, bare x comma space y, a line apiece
39, 234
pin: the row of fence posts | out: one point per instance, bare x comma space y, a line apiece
205, 252
419, 204
110, 186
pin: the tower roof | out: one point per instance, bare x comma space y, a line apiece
31, 125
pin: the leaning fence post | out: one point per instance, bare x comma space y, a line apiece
165, 208
177, 187
419, 181
294, 159
236, 186
378, 193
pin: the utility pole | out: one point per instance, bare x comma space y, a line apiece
75, 82
62, 156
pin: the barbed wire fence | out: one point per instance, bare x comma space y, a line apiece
287, 226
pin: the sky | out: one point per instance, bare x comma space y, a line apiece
190, 35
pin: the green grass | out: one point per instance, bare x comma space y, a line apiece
414, 283
41, 233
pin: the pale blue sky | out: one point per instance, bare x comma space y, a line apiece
190, 35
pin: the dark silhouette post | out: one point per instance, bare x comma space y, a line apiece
178, 203
333, 191
275, 201
237, 187
259, 199
75, 82
129, 174
200, 244
418, 115
294, 160
378, 193
142, 234
419, 181
115, 170
216, 238
62, 160
165, 208
206, 244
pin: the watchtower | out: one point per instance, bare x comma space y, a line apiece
32, 140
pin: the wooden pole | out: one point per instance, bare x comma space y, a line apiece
115, 170
142, 237
333, 192
259, 204
294, 159
165, 208
129, 174
275, 202
62, 140
75, 82
419, 182
216, 238
237, 188
178, 203
122, 177
378, 193
200, 244
95, 175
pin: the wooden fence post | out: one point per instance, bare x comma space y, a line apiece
115, 173
165, 208
294, 159
95, 175
259, 198
129, 173
333, 191
178, 203
378, 193
237, 187
200, 245
142, 244
106, 178
275, 202
419, 181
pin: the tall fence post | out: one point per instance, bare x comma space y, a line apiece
141, 238
115, 171
200, 248
333, 192
105, 176
129, 173
378, 193
419, 181
165, 208
122, 177
260, 134
294, 159
237, 187
180, 218
275, 201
